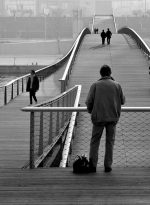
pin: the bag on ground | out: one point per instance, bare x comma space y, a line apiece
81, 165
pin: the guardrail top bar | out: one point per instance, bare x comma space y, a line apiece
80, 109
133, 31
58, 61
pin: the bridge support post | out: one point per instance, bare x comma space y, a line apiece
63, 85
32, 140
5, 95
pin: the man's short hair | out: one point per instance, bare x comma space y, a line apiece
33, 72
105, 70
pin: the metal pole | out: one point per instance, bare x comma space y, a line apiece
45, 27
41, 135
145, 7
17, 87
5, 95
12, 91
32, 140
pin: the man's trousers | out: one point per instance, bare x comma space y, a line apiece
109, 144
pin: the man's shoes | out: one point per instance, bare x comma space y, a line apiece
108, 169
92, 169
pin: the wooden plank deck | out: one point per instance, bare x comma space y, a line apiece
57, 186
14, 124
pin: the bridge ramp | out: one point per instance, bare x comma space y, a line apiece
15, 124
130, 69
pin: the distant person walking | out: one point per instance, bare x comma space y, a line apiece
108, 36
103, 36
32, 86
104, 102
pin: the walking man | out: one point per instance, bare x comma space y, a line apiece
104, 102
103, 36
32, 86
108, 36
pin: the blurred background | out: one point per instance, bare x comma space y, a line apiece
39, 32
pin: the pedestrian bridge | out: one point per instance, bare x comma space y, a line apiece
53, 132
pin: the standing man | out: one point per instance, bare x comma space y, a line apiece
104, 102
32, 86
103, 36
108, 36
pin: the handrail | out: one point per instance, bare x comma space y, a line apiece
70, 133
79, 109
70, 129
65, 78
46, 129
140, 42
55, 99
13, 88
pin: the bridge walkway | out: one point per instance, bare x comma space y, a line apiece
130, 69
59, 186
15, 124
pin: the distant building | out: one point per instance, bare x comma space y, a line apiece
2, 8
46, 7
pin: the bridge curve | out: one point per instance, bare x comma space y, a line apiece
129, 67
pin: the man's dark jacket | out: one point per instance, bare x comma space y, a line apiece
35, 84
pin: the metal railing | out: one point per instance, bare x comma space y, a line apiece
14, 88
140, 42
18, 85
48, 126
64, 80
132, 137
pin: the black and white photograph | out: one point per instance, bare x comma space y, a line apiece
74, 102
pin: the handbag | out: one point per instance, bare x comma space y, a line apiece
81, 164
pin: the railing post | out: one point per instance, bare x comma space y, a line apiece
22, 85
5, 95
57, 120
50, 128
63, 114
32, 140
67, 105
63, 87
41, 135
17, 87
12, 91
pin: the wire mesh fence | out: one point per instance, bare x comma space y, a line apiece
131, 144
47, 127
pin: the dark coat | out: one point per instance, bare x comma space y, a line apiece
103, 34
108, 34
35, 84
104, 100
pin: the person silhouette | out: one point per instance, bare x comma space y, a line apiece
32, 86
103, 36
108, 36
104, 102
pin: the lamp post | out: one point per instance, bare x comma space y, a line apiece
46, 12
145, 7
